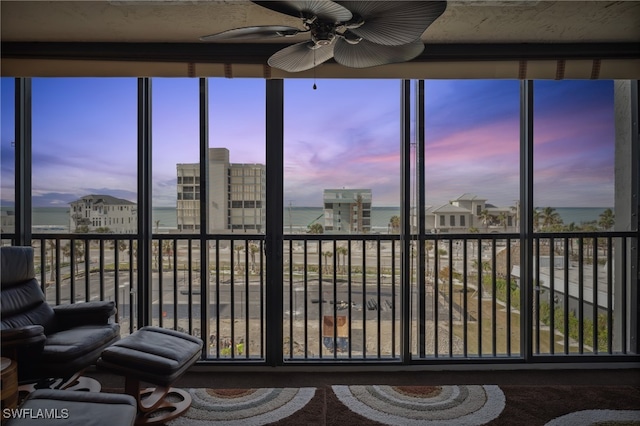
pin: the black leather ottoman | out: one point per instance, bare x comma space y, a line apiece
74, 408
158, 356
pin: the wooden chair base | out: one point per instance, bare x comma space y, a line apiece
157, 405
75, 383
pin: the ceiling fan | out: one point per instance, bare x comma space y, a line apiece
357, 34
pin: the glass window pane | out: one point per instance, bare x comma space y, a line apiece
472, 186
84, 155
574, 155
176, 151
236, 200
575, 190
7, 156
341, 178
472, 155
237, 156
341, 156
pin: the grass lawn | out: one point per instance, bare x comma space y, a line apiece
507, 342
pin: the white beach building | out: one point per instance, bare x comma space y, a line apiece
468, 211
104, 212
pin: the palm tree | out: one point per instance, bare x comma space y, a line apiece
167, 249
122, 246
66, 251
52, 246
606, 220
588, 242
78, 253
537, 217
342, 251
550, 217
238, 249
571, 228
327, 254
253, 249
316, 228
486, 218
516, 213
394, 224
155, 254
502, 218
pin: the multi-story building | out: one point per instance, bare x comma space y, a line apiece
236, 194
469, 211
347, 210
103, 212
7, 221
188, 203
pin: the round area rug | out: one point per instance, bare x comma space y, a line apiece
243, 407
424, 405
597, 417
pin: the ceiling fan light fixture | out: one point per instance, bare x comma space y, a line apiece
356, 22
323, 33
288, 33
351, 37
355, 33
324, 41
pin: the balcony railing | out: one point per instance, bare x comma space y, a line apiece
342, 295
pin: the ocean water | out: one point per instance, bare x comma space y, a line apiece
296, 219
55, 218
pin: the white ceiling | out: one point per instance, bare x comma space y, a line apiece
145, 21
185, 21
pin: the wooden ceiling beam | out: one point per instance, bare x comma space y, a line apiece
259, 53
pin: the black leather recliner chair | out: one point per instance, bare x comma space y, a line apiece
51, 345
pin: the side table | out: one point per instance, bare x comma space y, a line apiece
8, 384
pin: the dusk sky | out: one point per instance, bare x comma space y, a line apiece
344, 134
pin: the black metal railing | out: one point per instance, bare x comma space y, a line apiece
341, 297
342, 293
581, 288
464, 306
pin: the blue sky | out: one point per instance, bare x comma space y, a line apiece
344, 134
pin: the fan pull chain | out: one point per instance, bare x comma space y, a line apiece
314, 70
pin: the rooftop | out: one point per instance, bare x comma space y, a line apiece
104, 199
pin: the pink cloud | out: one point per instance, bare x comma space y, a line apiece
493, 142
384, 158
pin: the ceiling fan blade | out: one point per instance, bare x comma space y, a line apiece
265, 31
323, 9
366, 54
394, 23
300, 56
